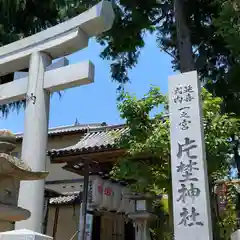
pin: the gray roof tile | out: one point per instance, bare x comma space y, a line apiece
99, 138
67, 198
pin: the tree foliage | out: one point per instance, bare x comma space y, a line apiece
228, 25
213, 37
213, 55
21, 18
214, 58
147, 142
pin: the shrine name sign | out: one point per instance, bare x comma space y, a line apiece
104, 195
191, 208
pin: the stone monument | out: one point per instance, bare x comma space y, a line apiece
191, 205
36, 54
12, 171
143, 214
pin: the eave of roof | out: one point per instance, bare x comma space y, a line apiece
51, 193
66, 199
64, 130
95, 140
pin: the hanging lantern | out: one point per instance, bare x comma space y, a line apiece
107, 197
90, 194
123, 200
121, 206
127, 205
97, 190
130, 206
116, 196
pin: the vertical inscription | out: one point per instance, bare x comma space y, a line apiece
189, 178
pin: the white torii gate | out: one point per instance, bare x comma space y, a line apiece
36, 53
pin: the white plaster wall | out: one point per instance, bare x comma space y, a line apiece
55, 170
66, 187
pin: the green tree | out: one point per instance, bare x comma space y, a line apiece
212, 56
200, 27
228, 24
147, 143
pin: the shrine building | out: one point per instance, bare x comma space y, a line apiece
68, 148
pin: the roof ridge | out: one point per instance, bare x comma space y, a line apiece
108, 127
70, 126
75, 128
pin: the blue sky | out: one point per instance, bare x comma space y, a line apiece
96, 102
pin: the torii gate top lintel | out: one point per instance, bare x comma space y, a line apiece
58, 41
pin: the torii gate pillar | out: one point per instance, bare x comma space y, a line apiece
34, 145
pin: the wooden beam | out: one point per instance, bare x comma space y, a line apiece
74, 157
64, 181
96, 168
73, 170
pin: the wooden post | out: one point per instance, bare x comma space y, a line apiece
55, 225
83, 209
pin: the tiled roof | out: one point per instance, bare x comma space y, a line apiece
68, 129
67, 198
51, 193
101, 138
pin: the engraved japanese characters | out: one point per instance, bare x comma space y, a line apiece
188, 164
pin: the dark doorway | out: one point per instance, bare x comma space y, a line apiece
96, 228
129, 231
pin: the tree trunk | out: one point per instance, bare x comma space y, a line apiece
183, 38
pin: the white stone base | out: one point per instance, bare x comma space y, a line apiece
23, 234
236, 235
